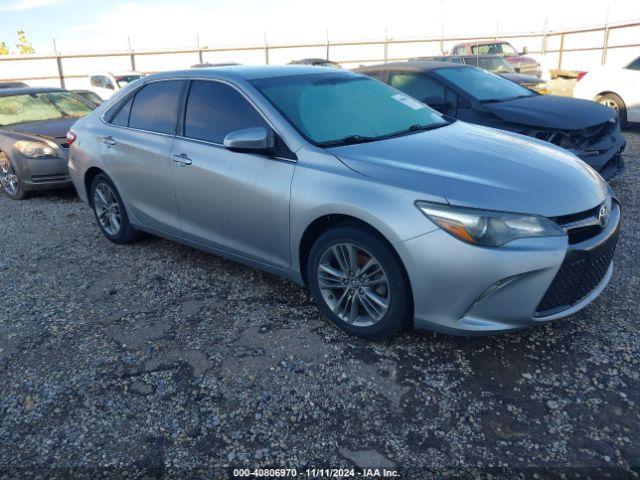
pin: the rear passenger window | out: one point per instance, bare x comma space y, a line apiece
155, 107
215, 109
122, 117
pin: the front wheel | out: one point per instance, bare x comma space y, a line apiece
359, 283
9, 180
110, 212
614, 102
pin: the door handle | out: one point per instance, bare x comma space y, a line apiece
108, 141
183, 159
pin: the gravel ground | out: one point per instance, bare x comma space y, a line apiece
155, 360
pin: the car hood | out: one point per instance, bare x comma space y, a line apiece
47, 128
480, 167
549, 111
521, 78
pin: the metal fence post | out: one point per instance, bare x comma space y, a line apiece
200, 58
59, 63
605, 45
132, 56
561, 51
386, 45
266, 50
327, 44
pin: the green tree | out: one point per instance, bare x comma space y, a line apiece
4, 50
24, 45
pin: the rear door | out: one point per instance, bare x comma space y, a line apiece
237, 202
137, 152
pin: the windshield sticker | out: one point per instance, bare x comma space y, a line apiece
409, 102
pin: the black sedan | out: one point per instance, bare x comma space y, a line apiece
495, 64
33, 138
587, 129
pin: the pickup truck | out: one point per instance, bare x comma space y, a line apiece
519, 61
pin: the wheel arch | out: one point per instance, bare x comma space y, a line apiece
328, 221
610, 92
89, 175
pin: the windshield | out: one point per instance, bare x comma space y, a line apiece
329, 107
484, 86
494, 49
36, 107
125, 80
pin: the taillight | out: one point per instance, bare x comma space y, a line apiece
71, 137
580, 76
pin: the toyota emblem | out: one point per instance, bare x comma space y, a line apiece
603, 216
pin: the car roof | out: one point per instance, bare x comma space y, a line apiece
8, 92
247, 72
412, 66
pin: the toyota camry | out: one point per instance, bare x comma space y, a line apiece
391, 213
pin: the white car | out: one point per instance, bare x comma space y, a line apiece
106, 84
615, 87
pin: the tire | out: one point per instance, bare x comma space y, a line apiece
10, 180
110, 212
614, 102
385, 281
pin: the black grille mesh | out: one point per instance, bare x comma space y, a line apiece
576, 279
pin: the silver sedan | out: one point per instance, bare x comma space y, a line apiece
390, 213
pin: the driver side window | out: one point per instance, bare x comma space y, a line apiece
215, 109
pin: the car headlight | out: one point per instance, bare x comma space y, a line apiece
487, 228
36, 149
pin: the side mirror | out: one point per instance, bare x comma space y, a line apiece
109, 86
525, 50
257, 140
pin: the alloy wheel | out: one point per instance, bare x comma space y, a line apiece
8, 178
107, 209
353, 284
607, 102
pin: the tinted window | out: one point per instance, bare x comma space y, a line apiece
122, 117
215, 109
417, 85
155, 107
635, 65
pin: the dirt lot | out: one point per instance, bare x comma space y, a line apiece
158, 361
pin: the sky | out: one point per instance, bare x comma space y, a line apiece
93, 25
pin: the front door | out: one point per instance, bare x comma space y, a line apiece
238, 202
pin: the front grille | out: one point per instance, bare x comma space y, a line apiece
579, 275
529, 69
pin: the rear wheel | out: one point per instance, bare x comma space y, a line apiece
110, 212
614, 102
359, 283
9, 179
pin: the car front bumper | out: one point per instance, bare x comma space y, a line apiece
41, 173
466, 290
